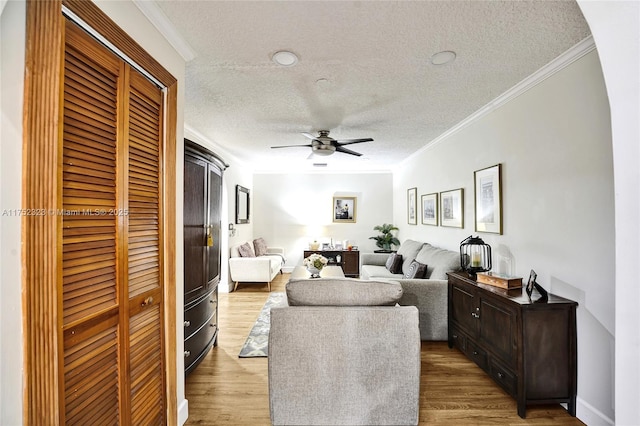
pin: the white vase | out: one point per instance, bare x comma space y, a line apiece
315, 272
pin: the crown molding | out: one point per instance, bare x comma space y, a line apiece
567, 58
156, 16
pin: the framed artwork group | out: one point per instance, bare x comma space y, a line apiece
447, 208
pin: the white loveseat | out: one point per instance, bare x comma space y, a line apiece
257, 269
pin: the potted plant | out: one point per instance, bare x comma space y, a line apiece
386, 239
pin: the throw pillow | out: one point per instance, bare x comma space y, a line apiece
394, 263
260, 246
246, 251
416, 270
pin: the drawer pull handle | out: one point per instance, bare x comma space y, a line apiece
500, 375
475, 352
212, 301
212, 325
147, 301
187, 323
187, 354
455, 336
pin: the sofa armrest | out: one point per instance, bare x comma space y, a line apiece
379, 259
431, 298
251, 269
275, 250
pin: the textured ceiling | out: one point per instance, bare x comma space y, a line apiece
372, 60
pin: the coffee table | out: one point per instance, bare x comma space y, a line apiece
331, 271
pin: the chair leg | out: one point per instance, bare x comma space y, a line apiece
235, 286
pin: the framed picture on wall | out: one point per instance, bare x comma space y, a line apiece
488, 199
412, 206
429, 209
344, 209
452, 208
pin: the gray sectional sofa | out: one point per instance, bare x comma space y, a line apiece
343, 353
428, 294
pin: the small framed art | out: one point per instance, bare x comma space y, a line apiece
412, 206
452, 208
429, 209
344, 209
488, 199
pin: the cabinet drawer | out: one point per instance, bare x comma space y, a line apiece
199, 313
477, 355
458, 340
504, 377
199, 341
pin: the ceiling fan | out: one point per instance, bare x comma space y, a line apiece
323, 144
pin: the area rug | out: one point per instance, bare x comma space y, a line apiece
257, 344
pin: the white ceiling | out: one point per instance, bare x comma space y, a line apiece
375, 58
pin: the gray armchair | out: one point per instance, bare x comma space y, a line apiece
337, 357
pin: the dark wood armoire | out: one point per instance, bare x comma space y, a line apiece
202, 203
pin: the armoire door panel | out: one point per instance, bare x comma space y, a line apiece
195, 175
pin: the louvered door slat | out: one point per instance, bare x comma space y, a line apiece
111, 264
146, 361
86, 379
89, 251
144, 251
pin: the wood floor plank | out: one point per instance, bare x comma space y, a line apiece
227, 390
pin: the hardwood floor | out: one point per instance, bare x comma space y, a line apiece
227, 390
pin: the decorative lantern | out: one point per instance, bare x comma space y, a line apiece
475, 255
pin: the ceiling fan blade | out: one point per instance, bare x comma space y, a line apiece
293, 146
309, 135
347, 151
350, 141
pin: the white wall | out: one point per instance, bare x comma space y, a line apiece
291, 210
12, 42
554, 144
615, 26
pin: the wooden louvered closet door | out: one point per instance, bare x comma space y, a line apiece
111, 313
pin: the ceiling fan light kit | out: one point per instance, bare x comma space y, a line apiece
323, 144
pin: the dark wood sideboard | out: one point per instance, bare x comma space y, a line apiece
528, 348
349, 260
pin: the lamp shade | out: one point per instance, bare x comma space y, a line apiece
475, 255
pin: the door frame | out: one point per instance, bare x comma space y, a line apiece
41, 247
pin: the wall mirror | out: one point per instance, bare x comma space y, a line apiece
242, 204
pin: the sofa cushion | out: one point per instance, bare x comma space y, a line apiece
394, 263
409, 249
373, 272
439, 261
416, 270
342, 292
245, 250
260, 246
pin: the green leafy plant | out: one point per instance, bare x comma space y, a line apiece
386, 239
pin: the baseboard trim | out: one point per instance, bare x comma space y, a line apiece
183, 412
590, 415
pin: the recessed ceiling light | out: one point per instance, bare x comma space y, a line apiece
444, 57
285, 58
